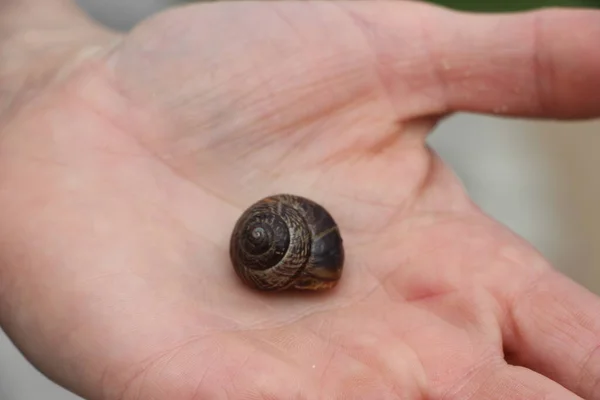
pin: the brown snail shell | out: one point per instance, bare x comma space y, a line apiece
286, 241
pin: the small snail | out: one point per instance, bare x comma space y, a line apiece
287, 242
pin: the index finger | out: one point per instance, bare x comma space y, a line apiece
554, 328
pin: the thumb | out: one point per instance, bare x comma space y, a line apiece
542, 63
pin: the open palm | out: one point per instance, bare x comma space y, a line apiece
121, 182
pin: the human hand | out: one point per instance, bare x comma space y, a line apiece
122, 174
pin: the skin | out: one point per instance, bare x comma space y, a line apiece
126, 158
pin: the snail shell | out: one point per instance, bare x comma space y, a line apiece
286, 241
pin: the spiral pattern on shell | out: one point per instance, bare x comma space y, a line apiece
286, 241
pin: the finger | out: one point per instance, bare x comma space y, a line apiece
554, 328
543, 63
511, 383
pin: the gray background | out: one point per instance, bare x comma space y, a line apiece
538, 178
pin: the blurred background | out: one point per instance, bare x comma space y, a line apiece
538, 178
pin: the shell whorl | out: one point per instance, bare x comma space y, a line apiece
271, 243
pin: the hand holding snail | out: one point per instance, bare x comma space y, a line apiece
285, 241
122, 152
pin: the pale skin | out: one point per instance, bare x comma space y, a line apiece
126, 158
